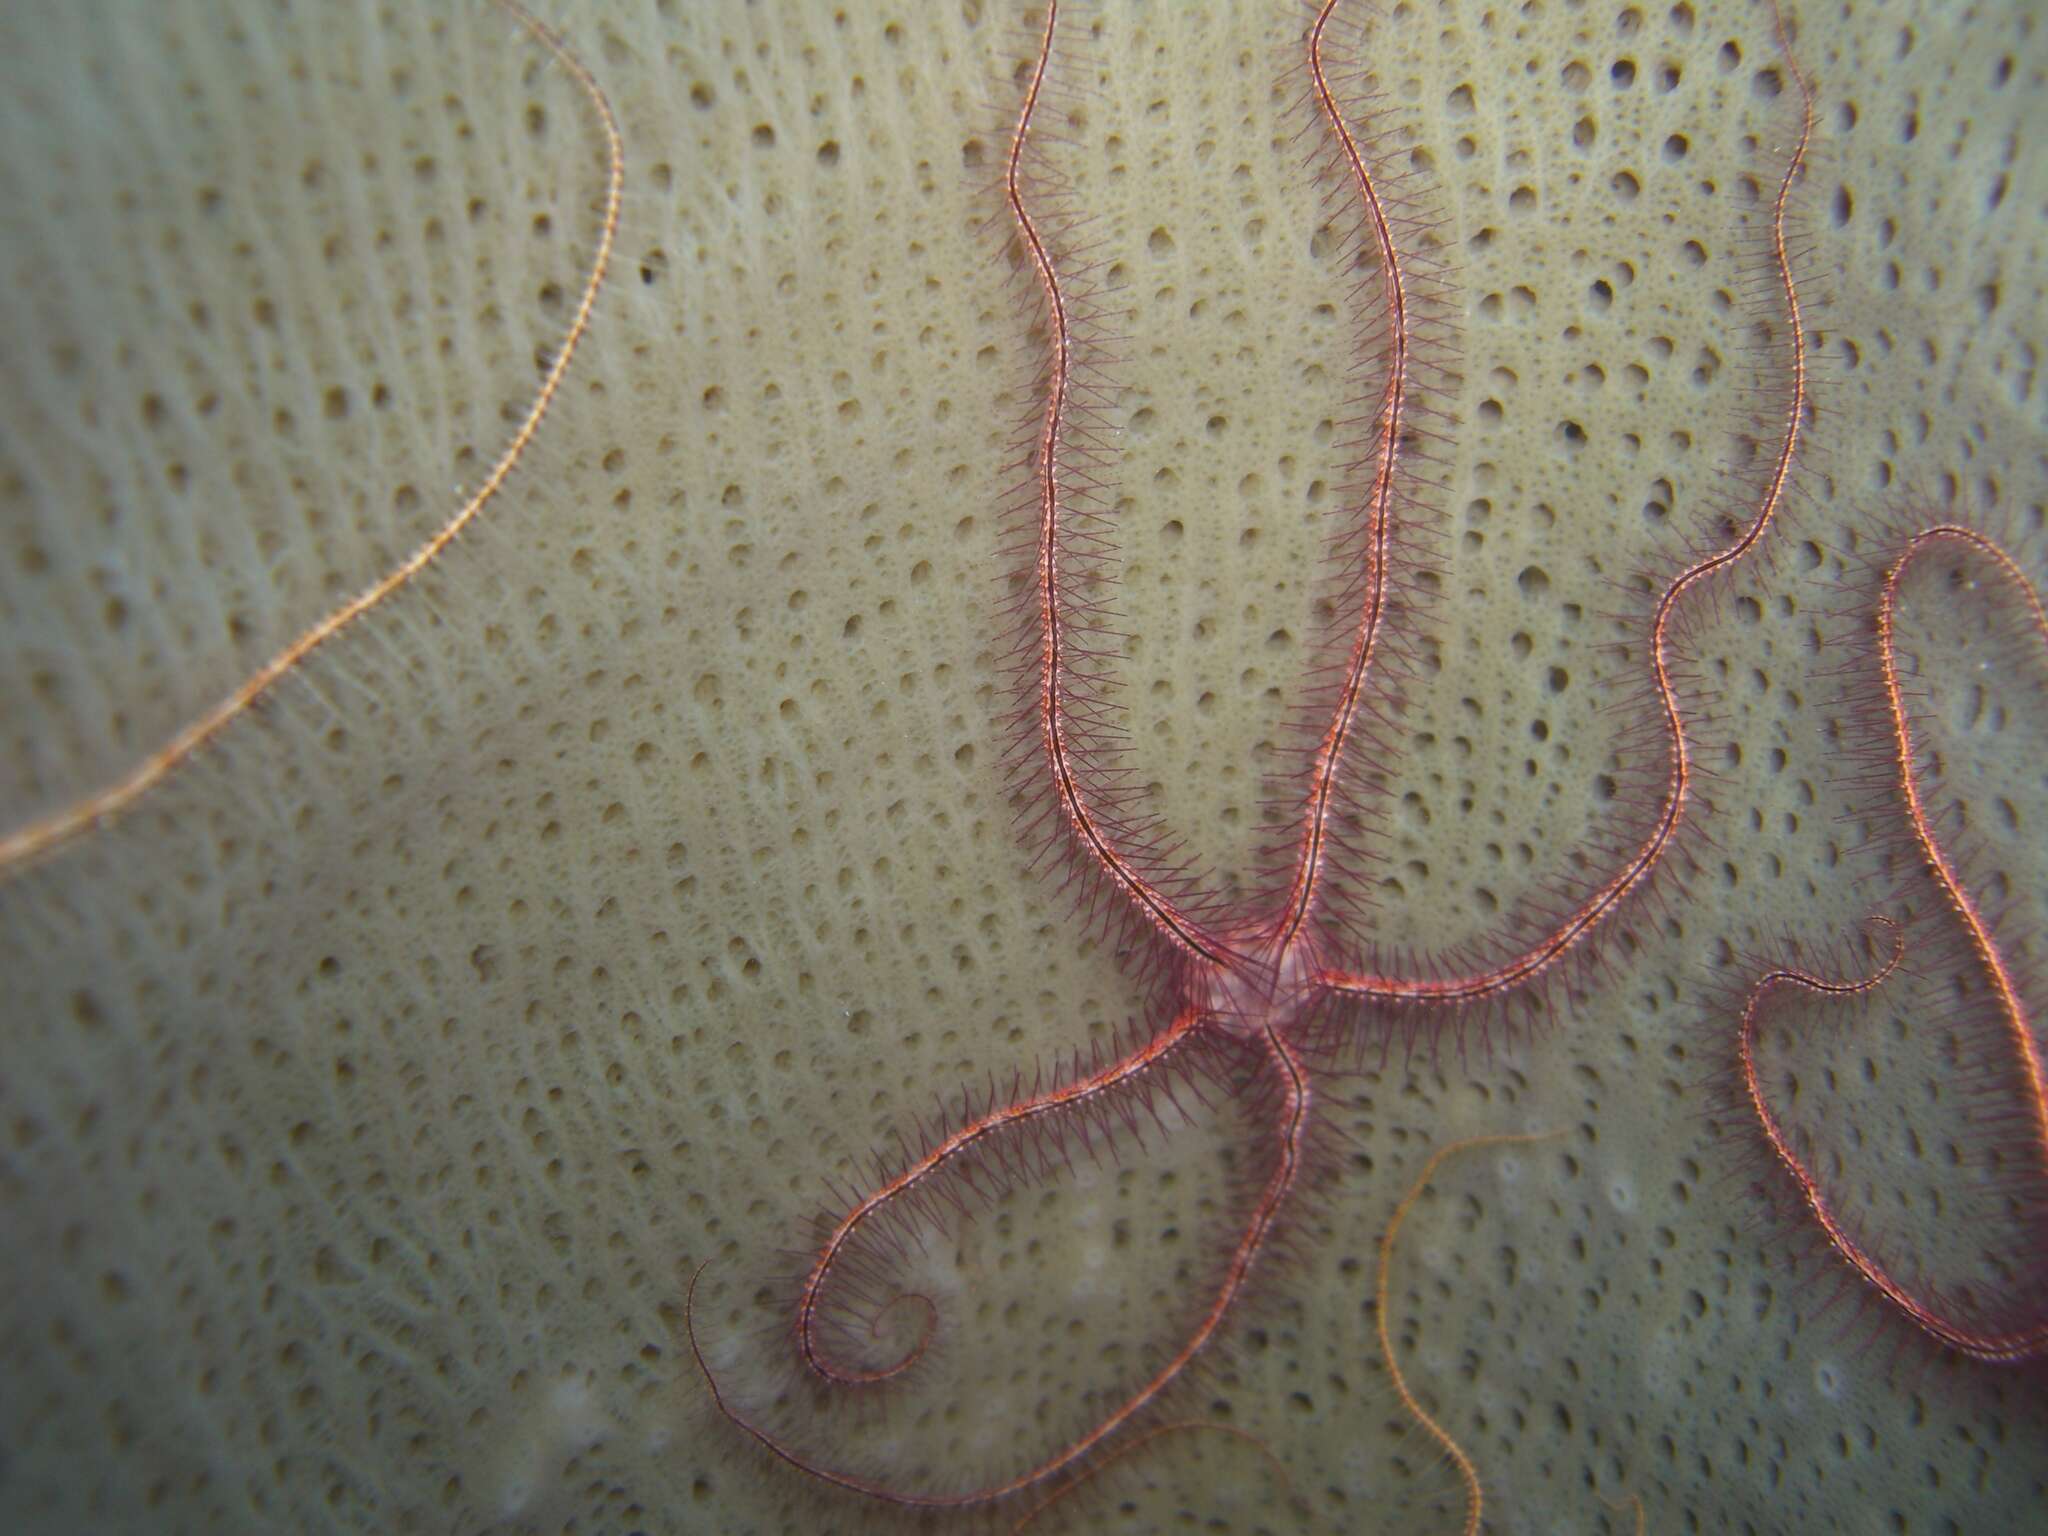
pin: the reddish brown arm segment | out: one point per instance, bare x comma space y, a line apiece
1603, 902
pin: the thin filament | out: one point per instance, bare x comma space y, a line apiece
99, 808
1475, 1499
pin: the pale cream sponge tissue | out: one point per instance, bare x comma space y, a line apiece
369, 1092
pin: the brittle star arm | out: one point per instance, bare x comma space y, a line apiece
2011, 1006
1923, 1312
1296, 1097
1604, 901
2023, 1344
1059, 717
1379, 511
46, 833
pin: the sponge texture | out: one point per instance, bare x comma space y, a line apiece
370, 1093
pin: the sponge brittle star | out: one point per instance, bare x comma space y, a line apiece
1272, 990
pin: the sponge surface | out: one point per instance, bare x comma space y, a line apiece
372, 1090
